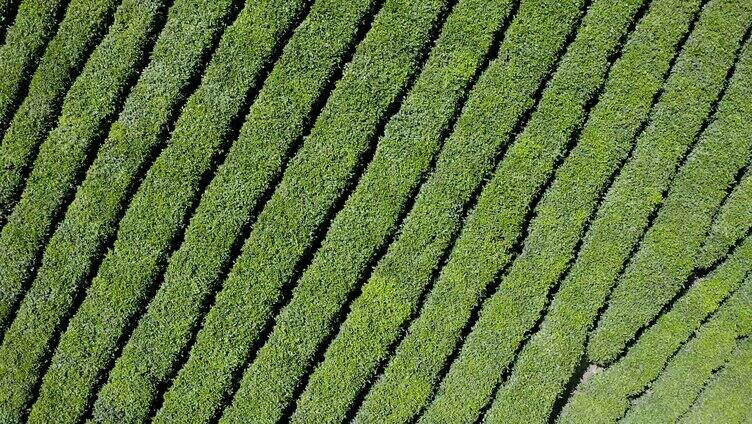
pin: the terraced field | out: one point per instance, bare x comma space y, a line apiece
379, 211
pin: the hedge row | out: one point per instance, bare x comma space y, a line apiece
276, 122
82, 28
732, 222
92, 217
666, 255
467, 156
79, 237
90, 338
685, 375
30, 127
36, 22
454, 394
726, 398
606, 396
90, 105
381, 70
488, 238
549, 359
370, 215
523, 73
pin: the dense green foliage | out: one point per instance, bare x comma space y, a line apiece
387, 211
93, 215
371, 212
274, 124
561, 215
380, 70
27, 131
671, 395
665, 258
118, 289
79, 32
25, 40
726, 397
606, 396
730, 224
394, 286
90, 104
584, 289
